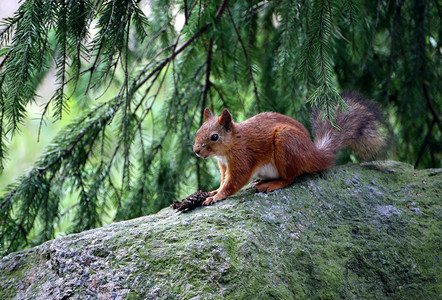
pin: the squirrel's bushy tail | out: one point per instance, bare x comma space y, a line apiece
360, 128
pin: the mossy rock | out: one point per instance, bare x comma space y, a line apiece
365, 231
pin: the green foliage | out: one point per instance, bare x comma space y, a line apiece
129, 153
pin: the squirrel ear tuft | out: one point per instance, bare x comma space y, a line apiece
207, 114
225, 119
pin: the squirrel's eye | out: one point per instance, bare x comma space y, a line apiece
214, 137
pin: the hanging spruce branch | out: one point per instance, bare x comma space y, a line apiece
316, 60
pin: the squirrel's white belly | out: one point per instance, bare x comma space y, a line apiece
222, 159
267, 171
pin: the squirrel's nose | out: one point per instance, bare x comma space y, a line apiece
196, 149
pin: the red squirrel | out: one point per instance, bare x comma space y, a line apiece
276, 148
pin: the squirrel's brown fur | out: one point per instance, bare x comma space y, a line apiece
277, 148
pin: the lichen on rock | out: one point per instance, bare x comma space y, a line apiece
360, 231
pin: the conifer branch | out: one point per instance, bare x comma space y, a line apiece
175, 53
207, 86
246, 55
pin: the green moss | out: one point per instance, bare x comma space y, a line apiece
358, 231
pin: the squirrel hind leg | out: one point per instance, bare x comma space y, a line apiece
291, 153
296, 154
269, 186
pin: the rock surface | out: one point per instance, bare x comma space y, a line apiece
366, 231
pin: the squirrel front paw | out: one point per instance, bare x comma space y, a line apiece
213, 193
210, 200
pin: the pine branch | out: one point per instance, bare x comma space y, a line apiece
207, 86
186, 44
246, 55
64, 159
